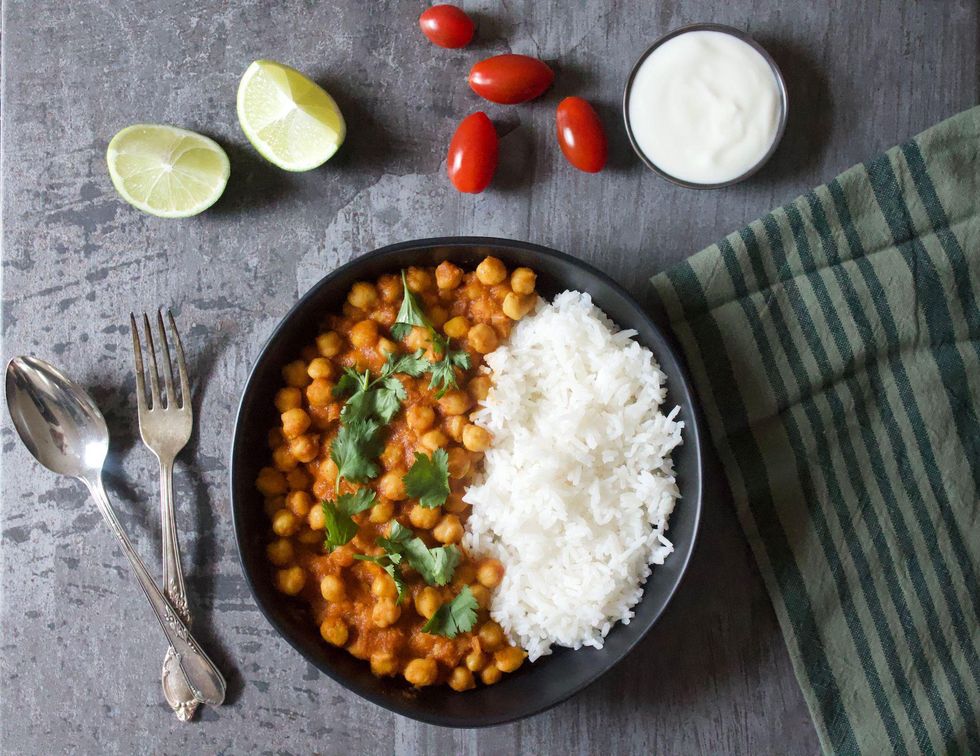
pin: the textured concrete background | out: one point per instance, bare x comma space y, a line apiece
80, 653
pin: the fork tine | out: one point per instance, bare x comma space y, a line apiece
168, 371
154, 381
185, 384
138, 354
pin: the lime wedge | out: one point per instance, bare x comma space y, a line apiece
290, 120
166, 171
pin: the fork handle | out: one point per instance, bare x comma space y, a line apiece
173, 574
202, 676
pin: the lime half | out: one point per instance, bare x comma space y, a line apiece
166, 171
290, 120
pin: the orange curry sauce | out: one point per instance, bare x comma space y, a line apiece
354, 602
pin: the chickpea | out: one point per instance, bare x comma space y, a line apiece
522, 280
456, 328
298, 479
304, 448
320, 367
454, 402
421, 671
419, 417
334, 631
490, 572
438, 316
280, 552
384, 587
491, 272
449, 530
387, 346
383, 664
291, 580
448, 276
475, 661
288, 398
475, 438
464, 575
391, 485
284, 523
390, 288
271, 482
491, 636
392, 455
381, 512
295, 374
509, 659
482, 338
283, 459
343, 556
329, 344
491, 674
316, 519
418, 338
319, 393
328, 470
418, 280
516, 306
453, 426
332, 588
459, 462
479, 387
434, 439
364, 334
424, 518
363, 295
299, 503
295, 422
461, 679
427, 602
482, 595
385, 613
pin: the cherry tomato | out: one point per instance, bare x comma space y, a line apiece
472, 157
580, 135
510, 79
447, 26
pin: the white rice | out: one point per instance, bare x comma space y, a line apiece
578, 483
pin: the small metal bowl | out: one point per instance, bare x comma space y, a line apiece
780, 82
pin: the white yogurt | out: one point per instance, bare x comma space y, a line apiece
704, 107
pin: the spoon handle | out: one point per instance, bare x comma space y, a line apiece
202, 676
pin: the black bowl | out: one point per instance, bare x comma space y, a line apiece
550, 680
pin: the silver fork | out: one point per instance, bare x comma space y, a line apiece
165, 426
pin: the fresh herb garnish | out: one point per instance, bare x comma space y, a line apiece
458, 616
371, 404
339, 524
443, 371
436, 566
428, 479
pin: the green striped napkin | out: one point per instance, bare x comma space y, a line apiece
835, 345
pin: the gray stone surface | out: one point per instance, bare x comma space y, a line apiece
80, 654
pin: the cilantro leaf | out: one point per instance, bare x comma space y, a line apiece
350, 382
340, 526
409, 364
458, 616
436, 566
355, 449
428, 479
398, 536
390, 566
444, 371
409, 314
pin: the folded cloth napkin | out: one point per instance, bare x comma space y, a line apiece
835, 346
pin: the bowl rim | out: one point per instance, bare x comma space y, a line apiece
692, 440
773, 66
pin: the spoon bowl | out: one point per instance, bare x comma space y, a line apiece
56, 419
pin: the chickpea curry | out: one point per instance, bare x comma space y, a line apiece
368, 468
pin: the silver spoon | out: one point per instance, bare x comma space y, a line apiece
65, 431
